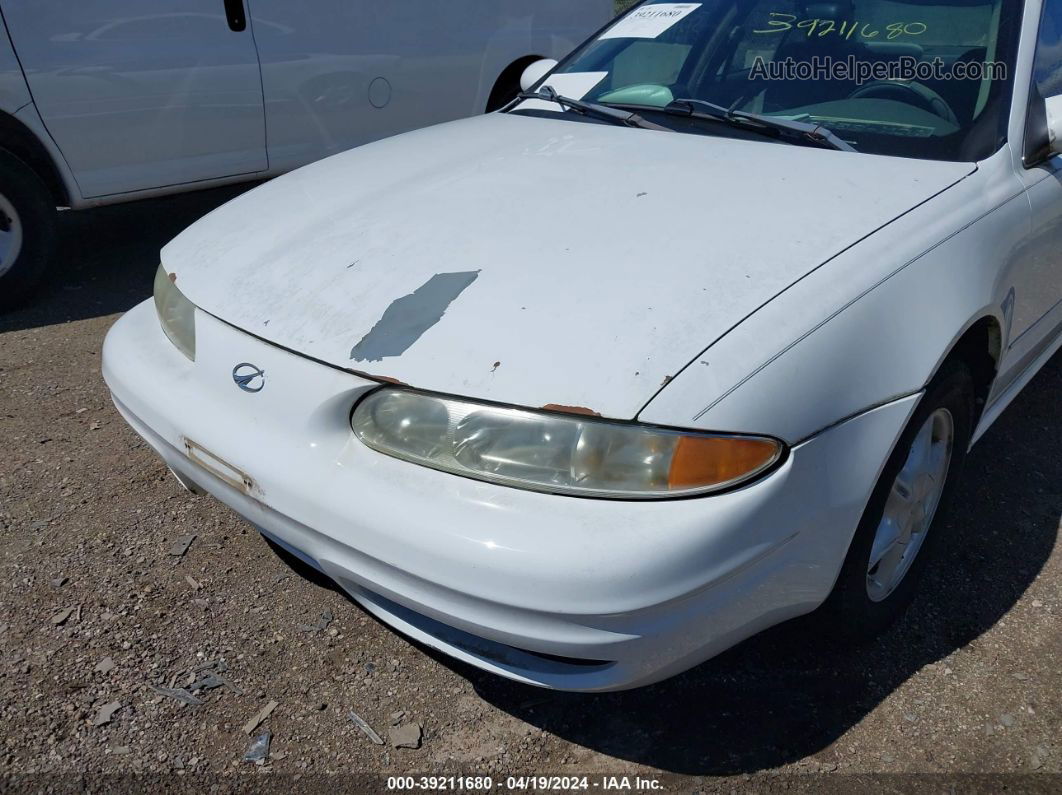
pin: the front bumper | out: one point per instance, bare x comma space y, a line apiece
561, 592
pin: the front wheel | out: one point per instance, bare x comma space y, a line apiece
902, 523
27, 230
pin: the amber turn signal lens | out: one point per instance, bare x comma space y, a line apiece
700, 461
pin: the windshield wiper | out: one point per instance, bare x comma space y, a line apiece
813, 133
615, 115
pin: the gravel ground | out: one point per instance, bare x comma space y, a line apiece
96, 611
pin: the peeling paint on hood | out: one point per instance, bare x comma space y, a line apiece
408, 317
604, 259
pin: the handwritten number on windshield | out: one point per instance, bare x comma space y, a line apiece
780, 22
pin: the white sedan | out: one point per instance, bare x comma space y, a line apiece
588, 390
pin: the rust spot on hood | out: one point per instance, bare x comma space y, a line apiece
572, 409
383, 378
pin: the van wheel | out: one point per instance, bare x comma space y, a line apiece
902, 523
507, 87
27, 230
505, 91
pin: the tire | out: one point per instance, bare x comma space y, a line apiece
862, 604
27, 231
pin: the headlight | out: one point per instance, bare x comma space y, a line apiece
176, 313
566, 454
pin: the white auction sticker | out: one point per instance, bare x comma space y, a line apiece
650, 21
574, 85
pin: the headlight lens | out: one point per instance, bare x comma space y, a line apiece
567, 454
176, 313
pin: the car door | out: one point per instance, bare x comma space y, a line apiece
143, 95
1036, 302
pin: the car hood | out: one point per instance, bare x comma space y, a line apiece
535, 261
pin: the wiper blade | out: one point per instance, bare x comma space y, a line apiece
815, 133
615, 115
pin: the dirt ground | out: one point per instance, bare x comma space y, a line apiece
96, 610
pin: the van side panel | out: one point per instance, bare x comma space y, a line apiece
22, 132
356, 71
138, 95
13, 91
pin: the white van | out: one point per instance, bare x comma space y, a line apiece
115, 100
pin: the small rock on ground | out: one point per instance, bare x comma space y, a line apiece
406, 736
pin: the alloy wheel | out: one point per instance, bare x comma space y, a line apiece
10, 235
911, 505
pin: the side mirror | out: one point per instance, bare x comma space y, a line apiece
1053, 106
535, 72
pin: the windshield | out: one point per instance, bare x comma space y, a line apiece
915, 78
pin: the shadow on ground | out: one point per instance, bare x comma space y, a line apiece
107, 257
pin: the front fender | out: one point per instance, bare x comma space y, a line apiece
869, 326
